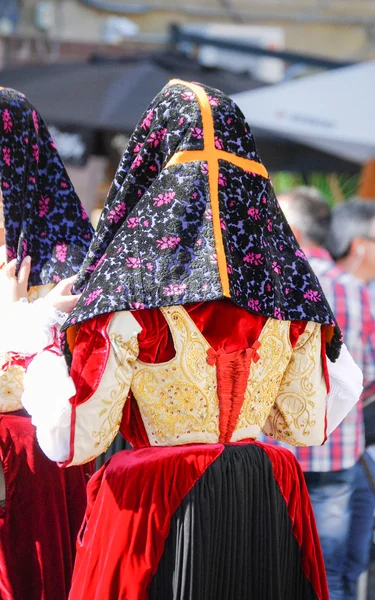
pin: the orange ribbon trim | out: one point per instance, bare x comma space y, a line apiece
211, 156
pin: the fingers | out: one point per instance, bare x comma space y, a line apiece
70, 302
16, 287
65, 286
66, 303
10, 269
24, 273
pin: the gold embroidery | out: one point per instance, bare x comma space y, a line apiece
177, 399
298, 414
11, 387
125, 354
265, 378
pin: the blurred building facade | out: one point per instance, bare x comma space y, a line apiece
52, 31
337, 28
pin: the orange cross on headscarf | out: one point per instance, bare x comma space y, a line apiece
212, 155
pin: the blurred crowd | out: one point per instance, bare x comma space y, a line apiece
340, 245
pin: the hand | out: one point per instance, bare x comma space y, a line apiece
14, 287
61, 296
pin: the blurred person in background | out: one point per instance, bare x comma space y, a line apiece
351, 242
331, 470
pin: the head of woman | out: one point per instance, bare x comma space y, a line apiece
42, 215
192, 216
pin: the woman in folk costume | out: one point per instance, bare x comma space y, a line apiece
201, 324
42, 506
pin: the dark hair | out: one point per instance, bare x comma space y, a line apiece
350, 220
309, 211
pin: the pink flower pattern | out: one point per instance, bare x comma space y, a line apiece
7, 121
219, 144
312, 295
61, 250
93, 296
254, 304
6, 156
36, 122
157, 137
35, 148
43, 206
132, 222
188, 96
278, 313
197, 133
174, 289
137, 306
300, 254
116, 213
213, 101
254, 258
166, 198
222, 180
168, 242
137, 162
133, 262
146, 123
254, 213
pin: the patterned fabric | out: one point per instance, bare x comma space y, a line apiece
43, 216
192, 216
350, 301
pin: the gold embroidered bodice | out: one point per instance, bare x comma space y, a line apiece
282, 390
178, 400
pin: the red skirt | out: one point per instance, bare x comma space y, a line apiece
199, 522
43, 512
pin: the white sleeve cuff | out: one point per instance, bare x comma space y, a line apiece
346, 387
26, 328
48, 389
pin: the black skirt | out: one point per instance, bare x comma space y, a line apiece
232, 537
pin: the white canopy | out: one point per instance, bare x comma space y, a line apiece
333, 111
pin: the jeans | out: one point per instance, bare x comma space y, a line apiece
330, 495
361, 527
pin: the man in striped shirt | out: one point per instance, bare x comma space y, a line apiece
330, 470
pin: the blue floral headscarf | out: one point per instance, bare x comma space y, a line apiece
192, 216
43, 216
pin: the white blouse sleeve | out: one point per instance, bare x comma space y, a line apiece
346, 381
71, 432
26, 328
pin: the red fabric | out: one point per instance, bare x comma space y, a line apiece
132, 499
91, 351
324, 359
294, 491
232, 376
90, 356
130, 504
42, 516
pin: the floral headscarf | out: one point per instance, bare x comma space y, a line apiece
192, 216
43, 216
